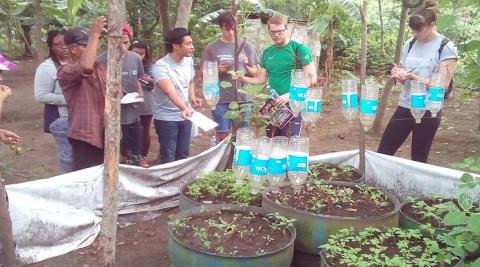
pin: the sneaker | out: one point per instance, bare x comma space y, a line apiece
142, 162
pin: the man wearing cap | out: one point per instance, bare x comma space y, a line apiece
83, 82
174, 96
132, 70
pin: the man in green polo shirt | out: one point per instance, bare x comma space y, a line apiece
276, 65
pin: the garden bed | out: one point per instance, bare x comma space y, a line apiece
217, 188
230, 234
334, 172
429, 210
390, 247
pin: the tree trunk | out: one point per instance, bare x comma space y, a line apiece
116, 17
37, 11
6, 237
329, 58
183, 13
388, 87
24, 32
380, 14
162, 10
363, 75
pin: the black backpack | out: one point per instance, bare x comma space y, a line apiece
444, 42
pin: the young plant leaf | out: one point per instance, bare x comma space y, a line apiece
473, 223
225, 84
454, 218
465, 201
233, 105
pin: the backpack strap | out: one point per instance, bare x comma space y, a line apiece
410, 44
444, 42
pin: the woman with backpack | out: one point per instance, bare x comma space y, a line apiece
47, 91
428, 51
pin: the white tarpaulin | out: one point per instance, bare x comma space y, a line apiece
54, 216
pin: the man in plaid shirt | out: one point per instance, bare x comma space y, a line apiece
83, 82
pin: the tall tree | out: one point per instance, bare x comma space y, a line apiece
37, 11
162, 9
183, 14
380, 14
388, 86
116, 18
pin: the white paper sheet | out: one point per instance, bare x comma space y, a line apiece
131, 98
203, 121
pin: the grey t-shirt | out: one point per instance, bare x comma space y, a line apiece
132, 70
146, 107
224, 52
180, 74
424, 58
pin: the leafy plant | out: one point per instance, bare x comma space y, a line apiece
391, 247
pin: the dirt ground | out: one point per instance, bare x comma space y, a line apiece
144, 243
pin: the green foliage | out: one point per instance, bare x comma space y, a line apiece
222, 184
413, 248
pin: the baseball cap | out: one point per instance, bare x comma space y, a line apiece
127, 30
76, 36
5, 64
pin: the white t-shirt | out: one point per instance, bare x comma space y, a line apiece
424, 58
164, 108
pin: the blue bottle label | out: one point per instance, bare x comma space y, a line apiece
242, 157
211, 89
297, 163
297, 93
277, 166
436, 94
350, 100
368, 107
417, 100
258, 166
313, 106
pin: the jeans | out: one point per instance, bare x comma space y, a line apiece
224, 124
59, 128
174, 139
132, 140
85, 155
399, 128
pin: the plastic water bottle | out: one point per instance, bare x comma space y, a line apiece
368, 105
436, 94
298, 161
259, 164
313, 105
243, 154
277, 163
417, 100
211, 88
349, 99
298, 91
213, 140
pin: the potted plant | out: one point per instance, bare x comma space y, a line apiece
217, 188
429, 210
323, 208
390, 247
334, 172
230, 235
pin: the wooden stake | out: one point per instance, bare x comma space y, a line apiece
363, 75
116, 18
6, 237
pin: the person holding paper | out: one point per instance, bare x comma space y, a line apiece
174, 96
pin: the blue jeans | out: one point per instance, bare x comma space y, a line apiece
174, 139
224, 124
59, 128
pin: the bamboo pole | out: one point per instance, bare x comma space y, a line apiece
116, 18
363, 74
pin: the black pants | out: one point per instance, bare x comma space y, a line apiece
85, 155
399, 128
132, 140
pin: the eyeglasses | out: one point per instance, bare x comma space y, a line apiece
276, 33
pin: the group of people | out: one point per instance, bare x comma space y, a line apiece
71, 83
